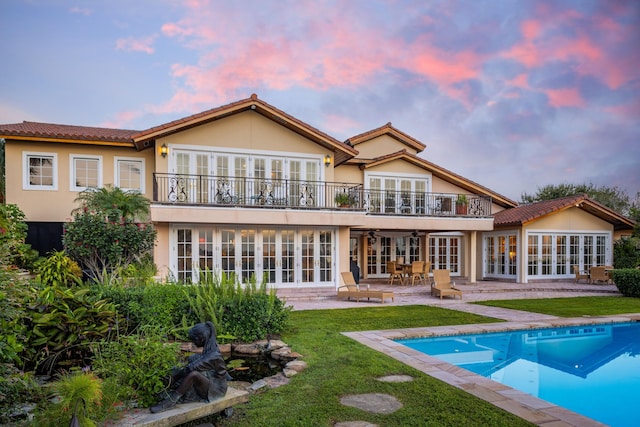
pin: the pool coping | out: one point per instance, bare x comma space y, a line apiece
523, 405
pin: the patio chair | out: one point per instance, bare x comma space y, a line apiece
417, 269
351, 290
581, 275
426, 269
598, 274
394, 272
442, 285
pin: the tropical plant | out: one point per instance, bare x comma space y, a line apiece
13, 233
63, 322
140, 361
157, 306
78, 393
15, 296
59, 270
115, 202
102, 246
343, 199
461, 200
246, 312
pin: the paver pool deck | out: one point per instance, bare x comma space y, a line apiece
532, 409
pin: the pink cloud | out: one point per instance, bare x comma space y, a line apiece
589, 42
136, 45
565, 98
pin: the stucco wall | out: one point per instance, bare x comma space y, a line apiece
570, 219
381, 146
56, 205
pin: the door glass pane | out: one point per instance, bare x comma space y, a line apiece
401, 249
490, 256
308, 256
385, 254
532, 256
372, 256
587, 252
454, 254
561, 254
269, 255
288, 256
375, 196
513, 255
228, 252
248, 254
326, 258
185, 271
390, 202
501, 254
205, 251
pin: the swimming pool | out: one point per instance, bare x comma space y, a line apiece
591, 369
536, 410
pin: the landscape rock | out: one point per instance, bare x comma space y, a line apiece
377, 403
296, 365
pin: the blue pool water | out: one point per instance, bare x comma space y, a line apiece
593, 370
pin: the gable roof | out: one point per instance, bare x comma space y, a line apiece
342, 151
437, 171
524, 214
67, 133
393, 132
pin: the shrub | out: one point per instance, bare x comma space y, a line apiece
15, 296
626, 252
63, 323
246, 312
142, 362
13, 232
70, 391
102, 245
16, 388
157, 306
59, 270
628, 281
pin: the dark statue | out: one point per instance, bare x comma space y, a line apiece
205, 376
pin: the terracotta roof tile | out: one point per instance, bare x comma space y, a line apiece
51, 130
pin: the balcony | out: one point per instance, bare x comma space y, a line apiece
222, 191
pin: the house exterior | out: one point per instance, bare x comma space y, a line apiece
246, 188
545, 240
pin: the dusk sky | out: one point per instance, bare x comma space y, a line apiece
512, 94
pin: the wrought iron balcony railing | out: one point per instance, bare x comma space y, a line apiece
297, 194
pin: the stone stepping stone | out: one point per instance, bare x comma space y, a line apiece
396, 379
376, 403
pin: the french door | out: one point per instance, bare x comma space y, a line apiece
381, 249
555, 254
279, 256
188, 187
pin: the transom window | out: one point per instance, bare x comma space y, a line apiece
86, 172
40, 171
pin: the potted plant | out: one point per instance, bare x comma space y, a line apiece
461, 204
343, 199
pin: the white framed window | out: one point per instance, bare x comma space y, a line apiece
40, 171
129, 173
85, 172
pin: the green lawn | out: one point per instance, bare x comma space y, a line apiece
572, 307
339, 366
